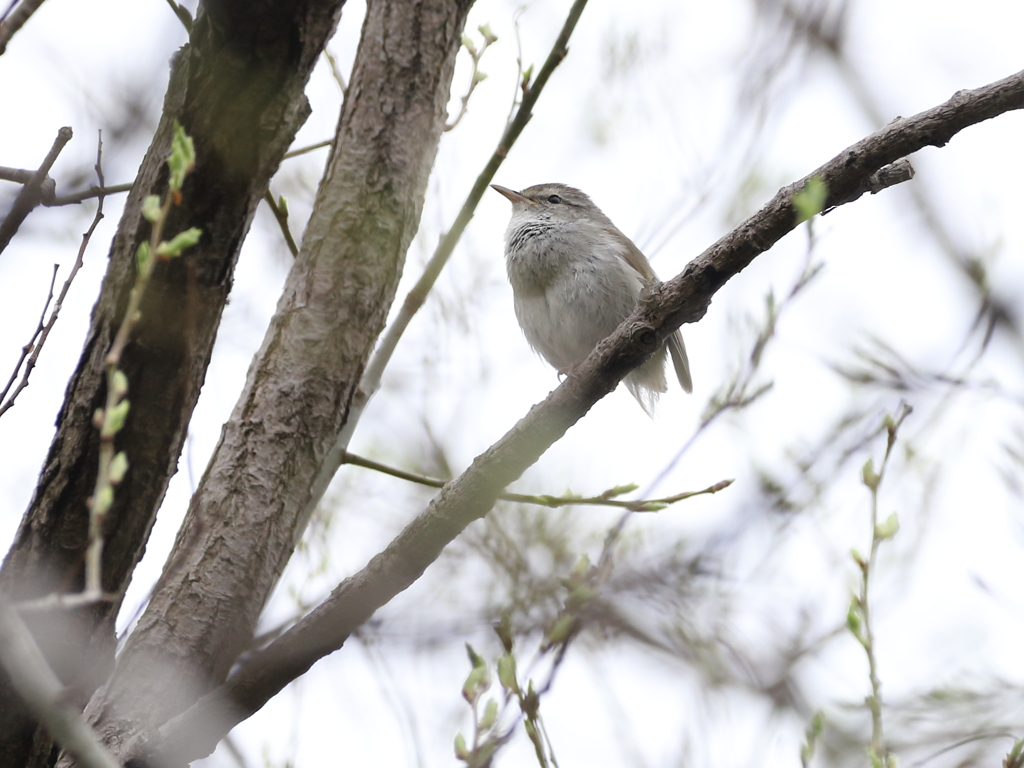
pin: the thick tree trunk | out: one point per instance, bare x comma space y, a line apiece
237, 88
246, 515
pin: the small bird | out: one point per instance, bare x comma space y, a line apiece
575, 277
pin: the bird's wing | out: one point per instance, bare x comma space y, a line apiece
636, 259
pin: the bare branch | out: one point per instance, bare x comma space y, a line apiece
310, 148
339, 78
38, 339
15, 19
27, 350
281, 214
86, 194
605, 499
827, 38
684, 298
31, 194
48, 189
17, 175
476, 76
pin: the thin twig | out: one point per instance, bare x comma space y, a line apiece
476, 76
111, 418
15, 19
28, 349
859, 617
980, 736
739, 392
606, 499
30, 195
281, 215
310, 148
336, 73
86, 194
102, 497
230, 744
37, 346
49, 198
522, 78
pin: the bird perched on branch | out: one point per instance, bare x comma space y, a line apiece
575, 277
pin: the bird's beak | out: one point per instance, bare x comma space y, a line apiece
515, 197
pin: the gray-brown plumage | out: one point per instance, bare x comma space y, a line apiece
575, 277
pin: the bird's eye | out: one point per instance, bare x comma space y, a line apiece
554, 199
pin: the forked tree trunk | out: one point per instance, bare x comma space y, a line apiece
237, 88
247, 514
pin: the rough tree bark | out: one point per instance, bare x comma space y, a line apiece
237, 87
246, 516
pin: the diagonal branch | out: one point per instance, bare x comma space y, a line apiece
685, 298
15, 19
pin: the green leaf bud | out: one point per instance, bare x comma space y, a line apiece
151, 208
118, 467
